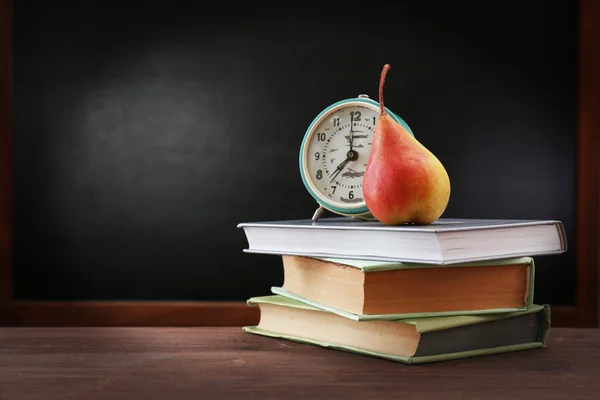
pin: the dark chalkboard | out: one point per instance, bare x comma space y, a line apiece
145, 131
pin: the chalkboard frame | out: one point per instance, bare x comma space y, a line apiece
173, 313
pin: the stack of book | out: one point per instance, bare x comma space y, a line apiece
414, 293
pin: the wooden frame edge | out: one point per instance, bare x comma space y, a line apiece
165, 314
588, 131
142, 313
42, 313
6, 193
563, 316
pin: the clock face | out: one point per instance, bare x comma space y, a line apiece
337, 152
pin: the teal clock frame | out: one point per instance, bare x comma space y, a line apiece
307, 136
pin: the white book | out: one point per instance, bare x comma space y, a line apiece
446, 241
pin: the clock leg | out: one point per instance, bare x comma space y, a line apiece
365, 217
318, 213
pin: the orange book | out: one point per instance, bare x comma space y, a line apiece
363, 290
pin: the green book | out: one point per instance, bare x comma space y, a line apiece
411, 341
373, 290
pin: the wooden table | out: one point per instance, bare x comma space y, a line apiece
225, 363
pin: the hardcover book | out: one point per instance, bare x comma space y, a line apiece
411, 341
446, 241
368, 290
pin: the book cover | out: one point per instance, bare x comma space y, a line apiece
448, 326
446, 241
374, 266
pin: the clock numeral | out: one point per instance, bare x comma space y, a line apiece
321, 137
351, 194
355, 115
317, 155
336, 122
319, 174
334, 187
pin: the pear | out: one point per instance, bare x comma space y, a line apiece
403, 182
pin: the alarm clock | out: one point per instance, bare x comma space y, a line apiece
334, 155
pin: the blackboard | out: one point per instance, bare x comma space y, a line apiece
144, 132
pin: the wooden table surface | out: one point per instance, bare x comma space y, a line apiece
225, 363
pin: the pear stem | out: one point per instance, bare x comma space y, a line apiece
386, 68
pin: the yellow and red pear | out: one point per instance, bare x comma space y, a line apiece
404, 182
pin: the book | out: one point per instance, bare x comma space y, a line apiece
411, 341
446, 241
368, 290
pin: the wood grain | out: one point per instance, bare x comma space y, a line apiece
588, 150
5, 154
225, 363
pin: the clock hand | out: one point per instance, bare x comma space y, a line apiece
339, 169
350, 156
336, 174
351, 131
